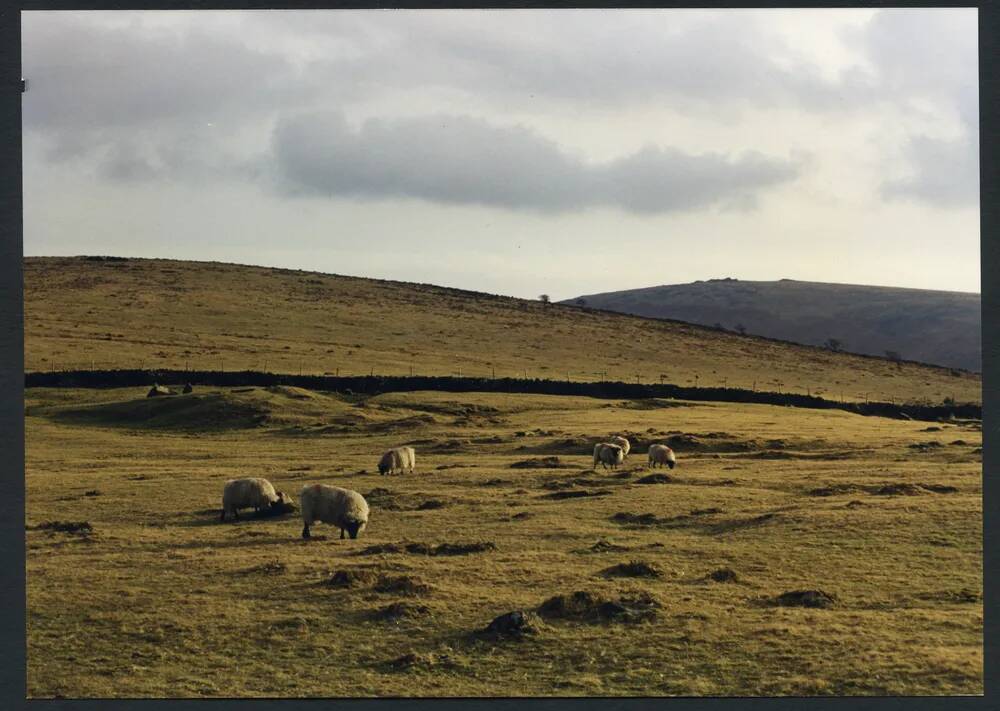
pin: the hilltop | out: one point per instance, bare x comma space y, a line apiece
940, 327
104, 313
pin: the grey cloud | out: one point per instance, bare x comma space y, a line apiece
463, 160
85, 75
945, 173
931, 54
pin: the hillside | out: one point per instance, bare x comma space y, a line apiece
92, 313
939, 327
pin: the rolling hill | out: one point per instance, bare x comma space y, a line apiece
939, 327
104, 313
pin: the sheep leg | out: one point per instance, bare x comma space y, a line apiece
305, 531
341, 534
223, 516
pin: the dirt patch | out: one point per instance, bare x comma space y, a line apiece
401, 585
585, 606
430, 505
603, 546
521, 516
451, 548
567, 445
653, 403
632, 569
904, 489
835, 490
512, 625
958, 443
926, 446
723, 575
273, 567
931, 429
496, 482
403, 423
657, 478
804, 598
740, 524
631, 519
542, 463
575, 494
396, 611
413, 660
894, 489
92, 492
448, 446
381, 548
965, 595
351, 578
83, 528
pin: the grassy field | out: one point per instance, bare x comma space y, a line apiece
142, 313
159, 599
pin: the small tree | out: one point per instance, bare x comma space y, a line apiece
833, 344
741, 329
544, 298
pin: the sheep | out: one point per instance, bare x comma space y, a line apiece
607, 453
661, 454
331, 504
252, 492
623, 443
400, 458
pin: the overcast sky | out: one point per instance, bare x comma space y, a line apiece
515, 152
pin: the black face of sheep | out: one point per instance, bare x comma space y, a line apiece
671, 463
352, 528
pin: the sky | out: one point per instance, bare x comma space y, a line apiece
514, 152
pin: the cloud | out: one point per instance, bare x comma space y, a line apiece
930, 56
129, 96
944, 173
88, 75
465, 160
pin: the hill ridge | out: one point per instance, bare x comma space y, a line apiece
133, 313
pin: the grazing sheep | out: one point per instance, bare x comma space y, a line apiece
330, 504
661, 454
607, 453
158, 390
400, 458
252, 492
623, 443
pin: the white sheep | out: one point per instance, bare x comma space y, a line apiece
251, 492
623, 443
608, 454
661, 454
398, 459
330, 504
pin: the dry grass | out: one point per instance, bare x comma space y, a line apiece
159, 599
173, 314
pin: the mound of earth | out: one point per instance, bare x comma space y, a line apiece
585, 606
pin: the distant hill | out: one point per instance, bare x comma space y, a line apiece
939, 327
89, 312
